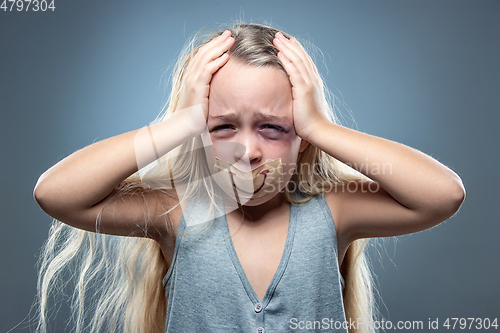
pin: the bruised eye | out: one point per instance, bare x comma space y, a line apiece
274, 127
272, 131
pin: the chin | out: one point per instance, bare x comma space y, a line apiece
245, 201
259, 201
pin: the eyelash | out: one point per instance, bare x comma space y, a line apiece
220, 127
227, 126
278, 128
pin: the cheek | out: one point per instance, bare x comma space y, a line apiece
288, 155
292, 148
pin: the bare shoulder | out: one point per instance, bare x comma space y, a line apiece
363, 209
342, 194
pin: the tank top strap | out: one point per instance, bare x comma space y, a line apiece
325, 209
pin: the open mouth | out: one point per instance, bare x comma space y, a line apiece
246, 192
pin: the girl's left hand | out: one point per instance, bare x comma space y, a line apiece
309, 105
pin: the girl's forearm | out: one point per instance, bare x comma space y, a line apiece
411, 177
90, 174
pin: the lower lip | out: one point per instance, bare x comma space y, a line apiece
260, 188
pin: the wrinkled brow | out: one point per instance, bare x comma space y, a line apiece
223, 117
258, 115
269, 117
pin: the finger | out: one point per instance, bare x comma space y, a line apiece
213, 66
213, 51
215, 42
299, 49
296, 77
297, 55
305, 54
218, 49
293, 65
292, 56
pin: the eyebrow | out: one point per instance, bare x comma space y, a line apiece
223, 117
270, 117
258, 115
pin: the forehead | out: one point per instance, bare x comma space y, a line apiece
238, 87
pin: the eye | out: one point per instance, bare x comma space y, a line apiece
272, 132
273, 127
221, 128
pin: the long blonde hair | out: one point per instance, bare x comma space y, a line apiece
129, 270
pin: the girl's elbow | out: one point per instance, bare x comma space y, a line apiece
38, 191
457, 196
457, 192
451, 200
443, 203
45, 195
41, 194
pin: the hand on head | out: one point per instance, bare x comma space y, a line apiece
309, 102
205, 62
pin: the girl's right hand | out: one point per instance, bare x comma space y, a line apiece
195, 85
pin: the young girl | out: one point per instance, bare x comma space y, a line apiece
249, 205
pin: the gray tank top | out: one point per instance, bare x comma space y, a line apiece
208, 291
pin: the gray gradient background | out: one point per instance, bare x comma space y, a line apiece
423, 73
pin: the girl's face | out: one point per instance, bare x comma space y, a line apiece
250, 117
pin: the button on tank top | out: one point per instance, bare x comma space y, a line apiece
208, 291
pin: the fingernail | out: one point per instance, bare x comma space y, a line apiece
281, 35
278, 41
293, 40
225, 33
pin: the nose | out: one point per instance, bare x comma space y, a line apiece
252, 152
